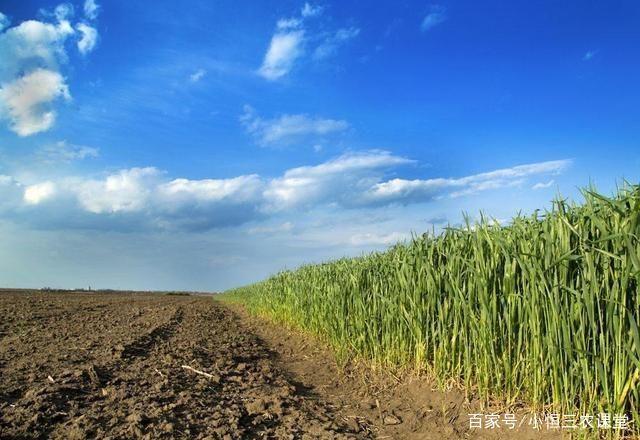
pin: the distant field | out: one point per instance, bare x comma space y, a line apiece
541, 312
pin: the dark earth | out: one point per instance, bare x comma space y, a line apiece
153, 366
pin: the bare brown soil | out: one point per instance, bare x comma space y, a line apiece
112, 366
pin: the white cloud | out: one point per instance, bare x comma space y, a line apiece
543, 185
289, 23
411, 191
294, 36
91, 9
239, 189
342, 180
146, 199
65, 152
480, 186
4, 22
38, 193
89, 38
589, 55
436, 16
309, 10
374, 239
126, 191
197, 75
31, 81
284, 49
288, 128
27, 100
63, 12
32, 45
331, 43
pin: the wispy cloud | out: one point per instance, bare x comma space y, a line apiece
91, 9
543, 185
589, 55
197, 75
295, 37
63, 12
310, 10
413, 191
288, 128
289, 23
89, 38
64, 152
436, 16
373, 239
333, 41
284, 49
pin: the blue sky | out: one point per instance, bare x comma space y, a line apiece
203, 145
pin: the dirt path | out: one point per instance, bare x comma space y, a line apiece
75, 366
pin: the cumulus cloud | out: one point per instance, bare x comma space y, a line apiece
125, 191
342, 181
143, 198
238, 190
31, 45
413, 191
288, 128
32, 55
26, 101
148, 199
91, 9
89, 38
436, 16
38, 193
209, 203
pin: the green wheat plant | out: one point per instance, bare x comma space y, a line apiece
543, 310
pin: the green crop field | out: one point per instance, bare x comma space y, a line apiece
542, 311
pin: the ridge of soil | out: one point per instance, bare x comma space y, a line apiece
150, 366
387, 406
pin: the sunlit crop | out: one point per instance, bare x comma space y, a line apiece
544, 310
